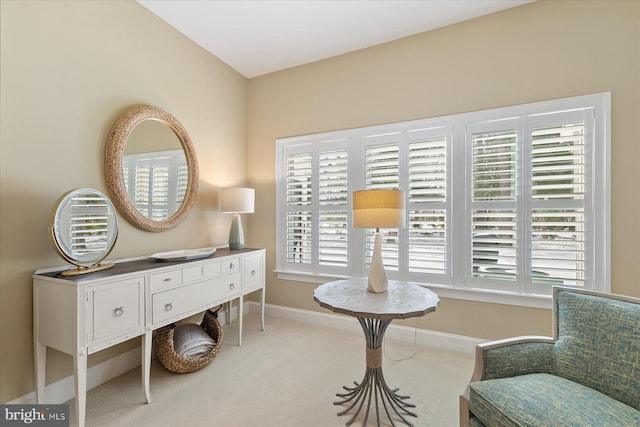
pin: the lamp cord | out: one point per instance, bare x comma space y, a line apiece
415, 346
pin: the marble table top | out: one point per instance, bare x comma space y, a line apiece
402, 300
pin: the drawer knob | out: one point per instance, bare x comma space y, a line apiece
231, 266
253, 272
168, 307
232, 286
118, 311
168, 279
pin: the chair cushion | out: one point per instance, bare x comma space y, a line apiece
474, 422
599, 344
546, 400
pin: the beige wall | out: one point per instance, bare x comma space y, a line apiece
540, 51
69, 69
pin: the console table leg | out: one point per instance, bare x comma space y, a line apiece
262, 298
240, 315
40, 353
146, 364
80, 367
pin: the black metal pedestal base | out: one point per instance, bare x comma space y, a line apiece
373, 387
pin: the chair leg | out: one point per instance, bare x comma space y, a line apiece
464, 412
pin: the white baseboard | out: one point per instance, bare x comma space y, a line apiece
421, 337
63, 390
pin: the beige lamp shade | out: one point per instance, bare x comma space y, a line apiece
378, 209
237, 200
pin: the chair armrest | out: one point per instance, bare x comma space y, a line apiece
512, 357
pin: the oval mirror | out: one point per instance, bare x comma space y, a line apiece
151, 169
83, 229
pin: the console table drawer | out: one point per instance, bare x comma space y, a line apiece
230, 265
253, 268
177, 303
165, 279
191, 274
115, 309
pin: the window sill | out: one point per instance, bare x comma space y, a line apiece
479, 295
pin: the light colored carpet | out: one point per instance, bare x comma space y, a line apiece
286, 376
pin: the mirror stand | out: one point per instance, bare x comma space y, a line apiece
80, 269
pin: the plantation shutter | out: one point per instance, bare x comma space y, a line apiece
528, 214
316, 207
333, 201
298, 199
427, 203
382, 171
494, 191
559, 177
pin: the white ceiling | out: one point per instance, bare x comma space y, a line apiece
259, 37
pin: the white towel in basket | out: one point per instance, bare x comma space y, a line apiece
191, 341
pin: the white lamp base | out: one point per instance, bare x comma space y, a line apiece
236, 235
377, 276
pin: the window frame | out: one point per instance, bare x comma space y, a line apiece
456, 283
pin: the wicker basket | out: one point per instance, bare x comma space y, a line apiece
165, 351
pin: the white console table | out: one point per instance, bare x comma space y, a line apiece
80, 315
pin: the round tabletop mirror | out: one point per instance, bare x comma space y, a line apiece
83, 229
151, 168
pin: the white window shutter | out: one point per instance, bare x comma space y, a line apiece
299, 216
427, 204
333, 201
560, 173
382, 171
493, 192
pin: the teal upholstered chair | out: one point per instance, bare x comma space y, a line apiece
588, 374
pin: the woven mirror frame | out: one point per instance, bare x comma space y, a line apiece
114, 176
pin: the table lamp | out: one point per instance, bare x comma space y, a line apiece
378, 209
236, 200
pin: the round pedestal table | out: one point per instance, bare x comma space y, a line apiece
375, 311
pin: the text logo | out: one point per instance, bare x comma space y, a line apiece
34, 415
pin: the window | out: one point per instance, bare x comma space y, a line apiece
147, 182
500, 204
